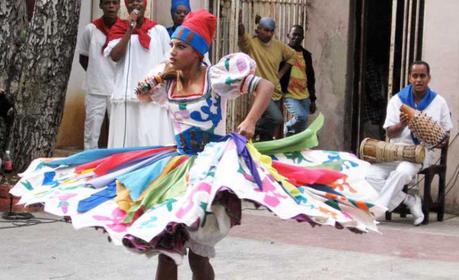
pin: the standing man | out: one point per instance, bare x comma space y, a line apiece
388, 178
100, 72
268, 53
137, 45
298, 84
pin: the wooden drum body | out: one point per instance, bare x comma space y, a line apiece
373, 150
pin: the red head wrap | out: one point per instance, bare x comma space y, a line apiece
197, 29
201, 22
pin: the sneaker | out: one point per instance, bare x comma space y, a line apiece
416, 211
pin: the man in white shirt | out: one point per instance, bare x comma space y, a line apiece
100, 75
388, 178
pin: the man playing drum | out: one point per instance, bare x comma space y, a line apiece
388, 178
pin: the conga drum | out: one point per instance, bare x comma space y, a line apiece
373, 150
426, 130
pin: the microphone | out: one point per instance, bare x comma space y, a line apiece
133, 23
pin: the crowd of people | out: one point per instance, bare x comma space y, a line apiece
172, 179
117, 53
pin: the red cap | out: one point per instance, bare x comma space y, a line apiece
203, 23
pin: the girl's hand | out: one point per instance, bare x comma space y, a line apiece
144, 88
144, 97
143, 92
246, 128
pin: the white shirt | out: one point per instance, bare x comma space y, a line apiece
137, 62
100, 74
437, 109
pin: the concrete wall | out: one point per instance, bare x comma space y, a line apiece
72, 126
327, 40
441, 51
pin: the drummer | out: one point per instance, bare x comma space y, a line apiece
388, 178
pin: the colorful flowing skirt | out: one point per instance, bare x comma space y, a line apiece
156, 200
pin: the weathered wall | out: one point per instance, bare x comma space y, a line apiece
441, 50
327, 40
71, 129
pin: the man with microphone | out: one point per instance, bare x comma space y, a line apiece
136, 45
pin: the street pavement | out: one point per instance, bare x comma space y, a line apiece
263, 247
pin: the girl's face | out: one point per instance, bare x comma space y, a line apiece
182, 55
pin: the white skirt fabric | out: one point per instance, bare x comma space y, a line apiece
156, 200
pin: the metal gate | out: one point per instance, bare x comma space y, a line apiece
285, 12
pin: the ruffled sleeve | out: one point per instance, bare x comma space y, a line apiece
234, 75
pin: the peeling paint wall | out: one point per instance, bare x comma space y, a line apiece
441, 51
327, 40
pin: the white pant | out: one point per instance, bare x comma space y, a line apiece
96, 106
134, 124
388, 178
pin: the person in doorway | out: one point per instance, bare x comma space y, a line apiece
298, 84
388, 178
136, 45
179, 10
100, 72
268, 53
375, 99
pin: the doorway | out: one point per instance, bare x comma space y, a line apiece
388, 37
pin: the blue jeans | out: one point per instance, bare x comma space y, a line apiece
299, 109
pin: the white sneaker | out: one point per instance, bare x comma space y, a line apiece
416, 211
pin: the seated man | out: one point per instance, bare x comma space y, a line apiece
388, 178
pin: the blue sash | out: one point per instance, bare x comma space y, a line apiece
407, 98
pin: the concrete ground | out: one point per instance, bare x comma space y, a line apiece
263, 247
